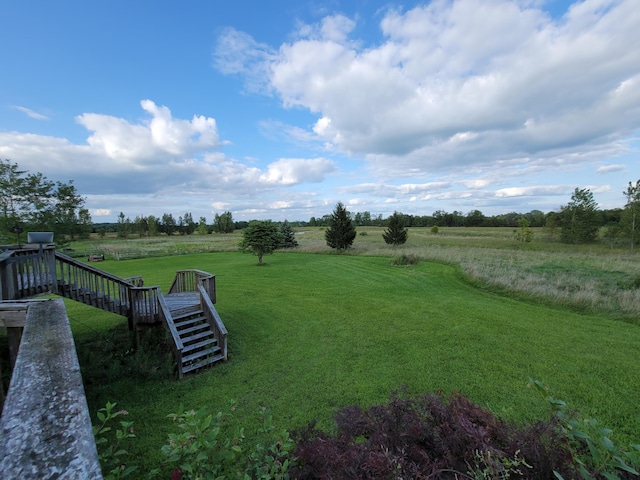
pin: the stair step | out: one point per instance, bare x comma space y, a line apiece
199, 355
196, 336
195, 328
202, 363
187, 322
184, 313
195, 346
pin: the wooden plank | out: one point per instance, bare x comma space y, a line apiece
45, 429
12, 315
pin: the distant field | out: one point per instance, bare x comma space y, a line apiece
593, 277
312, 333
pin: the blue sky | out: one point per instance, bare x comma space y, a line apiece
280, 109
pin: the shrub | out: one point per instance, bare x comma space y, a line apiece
435, 229
404, 259
109, 443
204, 448
426, 437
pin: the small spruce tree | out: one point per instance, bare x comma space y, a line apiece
260, 238
580, 219
341, 232
288, 235
396, 233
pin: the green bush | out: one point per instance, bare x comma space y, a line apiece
404, 260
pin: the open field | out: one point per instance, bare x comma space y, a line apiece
592, 277
311, 333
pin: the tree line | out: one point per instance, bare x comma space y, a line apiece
29, 201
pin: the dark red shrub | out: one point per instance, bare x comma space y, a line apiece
426, 436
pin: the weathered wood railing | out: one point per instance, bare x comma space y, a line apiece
86, 284
45, 429
144, 305
189, 280
214, 320
167, 320
25, 272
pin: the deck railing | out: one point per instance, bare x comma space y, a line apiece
144, 304
86, 284
189, 280
214, 320
26, 272
167, 320
45, 426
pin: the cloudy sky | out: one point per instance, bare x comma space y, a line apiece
280, 109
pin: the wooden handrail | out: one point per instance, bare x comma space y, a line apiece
45, 425
144, 304
167, 320
89, 285
27, 272
214, 320
188, 281
101, 273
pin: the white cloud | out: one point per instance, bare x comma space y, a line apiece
444, 89
610, 169
560, 190
292, 171
31, 113
101, 212
122, 141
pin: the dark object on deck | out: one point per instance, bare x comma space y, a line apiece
96, 257
39, 237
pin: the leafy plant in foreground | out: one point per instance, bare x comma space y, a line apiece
204, 448
591, 448
109, 443
199, 450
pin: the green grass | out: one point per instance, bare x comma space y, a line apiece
311, 333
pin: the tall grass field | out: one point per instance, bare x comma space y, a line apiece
312, 331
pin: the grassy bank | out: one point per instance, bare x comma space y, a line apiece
311, 333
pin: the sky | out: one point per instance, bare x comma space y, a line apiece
280, 109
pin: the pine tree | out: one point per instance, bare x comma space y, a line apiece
288, 235
631, 214
341, 232
260, 238
396, 233
580, 219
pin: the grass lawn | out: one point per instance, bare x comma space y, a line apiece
311, 333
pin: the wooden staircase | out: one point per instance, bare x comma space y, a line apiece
187, 311
200, 345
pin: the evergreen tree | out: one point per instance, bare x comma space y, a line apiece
580, 220
260, 238
122, 226
288, 235
631, 213
396, 233
341, 232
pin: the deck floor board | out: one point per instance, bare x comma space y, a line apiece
180, 301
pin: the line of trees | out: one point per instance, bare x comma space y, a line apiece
31, 202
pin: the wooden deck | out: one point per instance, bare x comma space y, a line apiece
179, 303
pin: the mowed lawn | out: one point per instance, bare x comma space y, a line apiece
311, 333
